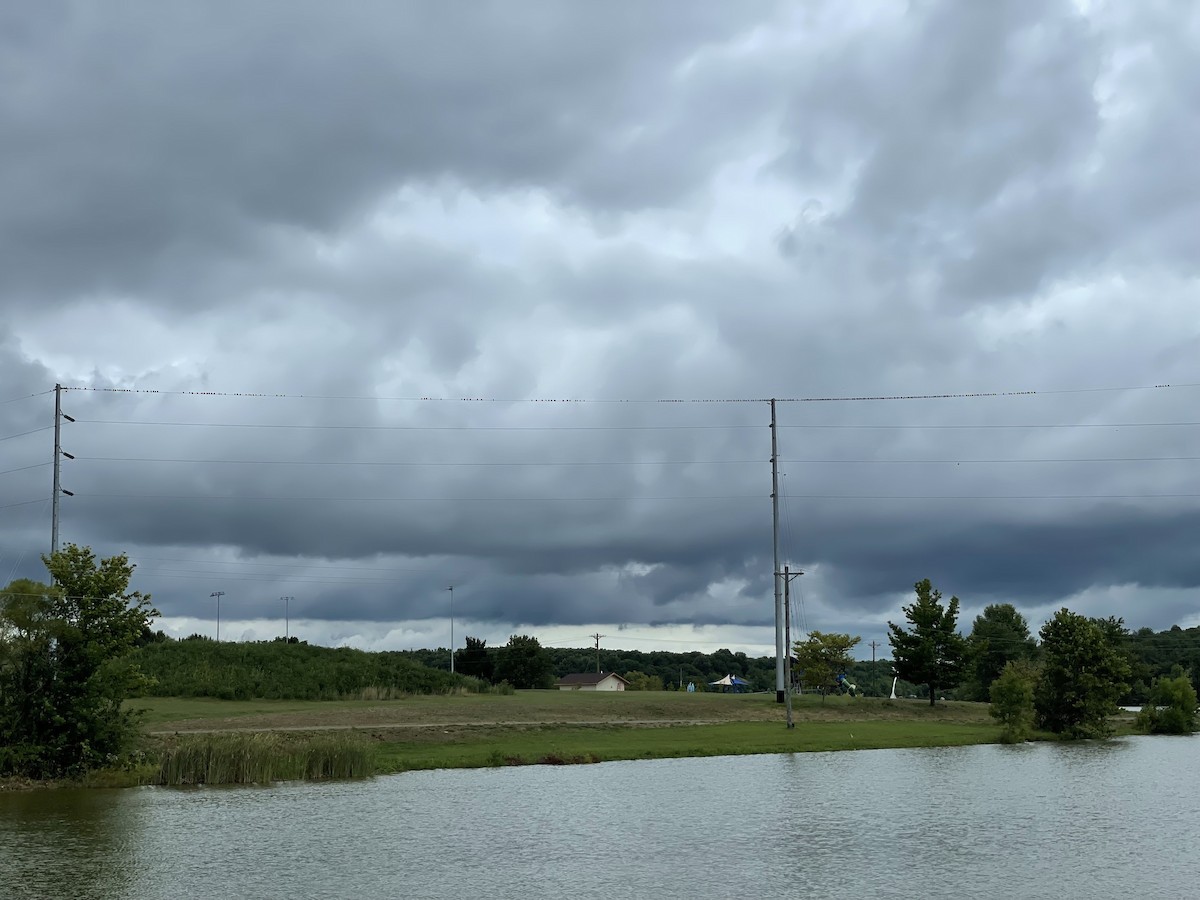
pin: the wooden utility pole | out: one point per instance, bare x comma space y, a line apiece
597, 637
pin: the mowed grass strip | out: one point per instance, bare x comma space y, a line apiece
549, 707
565, 744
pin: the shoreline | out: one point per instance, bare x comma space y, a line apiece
545, 728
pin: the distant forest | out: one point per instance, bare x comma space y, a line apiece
201, 667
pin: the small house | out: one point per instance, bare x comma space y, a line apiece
592, 681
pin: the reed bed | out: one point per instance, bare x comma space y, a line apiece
262, 758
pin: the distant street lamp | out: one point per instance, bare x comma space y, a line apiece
286, 621
218, 595
451, 590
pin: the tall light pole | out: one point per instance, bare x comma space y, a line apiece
780, 650
286, 624
788, 575
451, 590
218, 595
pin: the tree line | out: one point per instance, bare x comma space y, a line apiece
1069, 682
73, 651
278, 670
525, 663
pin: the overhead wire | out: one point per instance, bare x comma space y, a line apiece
690, 427
24, 502
940, 395
541, 463
785, 495
27, 396
40, 465
9, 437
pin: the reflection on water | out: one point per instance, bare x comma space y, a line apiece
1047, 820
67, 843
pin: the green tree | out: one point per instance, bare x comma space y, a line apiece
524, 664
640, 681
474, 660
933, 653
999, 636
1011, 694
1082, 677
65, 666
1172, 706
822, 658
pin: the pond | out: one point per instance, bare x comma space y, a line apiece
1109, 819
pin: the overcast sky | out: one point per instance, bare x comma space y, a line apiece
368, 210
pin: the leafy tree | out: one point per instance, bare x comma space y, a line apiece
822, 658
474, 660
640, 681
1083, 675
1012, 699
65, 666
933, 652
1000, 635
1172, 706
524, 664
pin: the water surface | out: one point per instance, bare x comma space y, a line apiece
1112, 819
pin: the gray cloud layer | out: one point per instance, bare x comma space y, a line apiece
605, 201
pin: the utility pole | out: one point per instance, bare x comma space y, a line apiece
287, 634
57, 490
218, 595
787, 639
780, 651
874, 674
597, 637
451, 590
787, 618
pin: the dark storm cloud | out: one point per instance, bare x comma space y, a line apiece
603, 201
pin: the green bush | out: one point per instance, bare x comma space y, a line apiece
1171, 708
1012, 700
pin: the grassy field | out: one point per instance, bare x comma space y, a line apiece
552, 727
630, 708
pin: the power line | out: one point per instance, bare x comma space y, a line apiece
421, 463
24, 503
27, 396
545, 463
942, 395
627, 498
23, 433
80, 495
40, 465
917, 426
1047, 459
728, 426
995, 496
294, 426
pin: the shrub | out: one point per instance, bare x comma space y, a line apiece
1012, 700
1171, 709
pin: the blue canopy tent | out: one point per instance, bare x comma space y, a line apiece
731, 684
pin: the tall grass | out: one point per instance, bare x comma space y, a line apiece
261, 758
